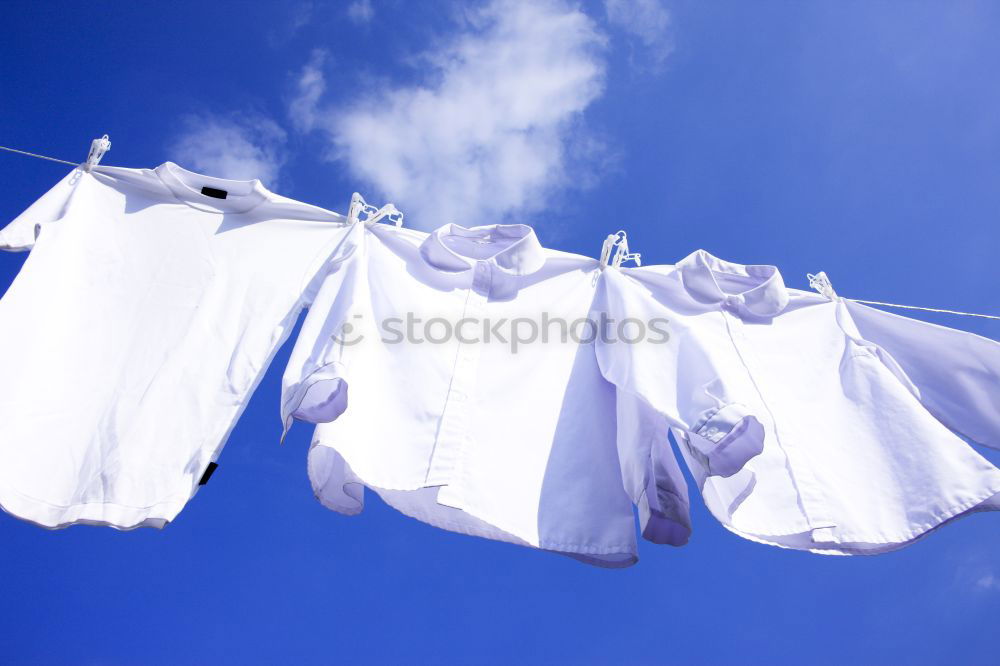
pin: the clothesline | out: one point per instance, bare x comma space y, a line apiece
916, 307
41, 157
856, 300
586, 458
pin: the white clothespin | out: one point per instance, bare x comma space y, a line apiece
609, 244
372, 214
619, 243
97, 149
821, 283
357, 207
389, 213
622, 254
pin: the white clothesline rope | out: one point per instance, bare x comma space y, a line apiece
627, 256
97, 149
916, 307
41, 157
821, 283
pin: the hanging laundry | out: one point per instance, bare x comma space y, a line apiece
857, 456
454, 374
956, 374
472, 378
136, 331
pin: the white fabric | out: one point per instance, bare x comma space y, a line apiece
472, 434
956, 374
135, 333
852, 462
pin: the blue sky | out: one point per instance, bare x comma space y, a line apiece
855, 137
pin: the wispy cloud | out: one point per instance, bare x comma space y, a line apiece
294, 17
304, 110
361, 11
241, 146
301, 14
988, 581
494, 127
975, 571
646, 20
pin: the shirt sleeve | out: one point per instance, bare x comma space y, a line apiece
650, 473
341, 245
955, 374
670, 372
316, 379
21, 232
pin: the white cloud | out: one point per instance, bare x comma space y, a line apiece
242, 146
646, 20
988, 582
361, 11
489, 132
303, 110
301, 15
292, 19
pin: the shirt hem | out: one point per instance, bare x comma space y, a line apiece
587, 554
881, 543
101, 514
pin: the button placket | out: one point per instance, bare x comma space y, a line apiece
814, 501
453, 431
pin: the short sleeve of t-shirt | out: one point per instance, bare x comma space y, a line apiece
21, 233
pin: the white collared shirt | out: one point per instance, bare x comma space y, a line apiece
135, 332
852, 460
479, 430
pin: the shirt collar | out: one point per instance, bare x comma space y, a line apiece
515, 250
241, 195
701, 272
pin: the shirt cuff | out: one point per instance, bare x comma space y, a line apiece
14, 243
319, 398
726, 440
665, 518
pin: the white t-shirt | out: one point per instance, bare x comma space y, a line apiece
857, 455
455, 374
136, 331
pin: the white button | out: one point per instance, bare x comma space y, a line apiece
713, 431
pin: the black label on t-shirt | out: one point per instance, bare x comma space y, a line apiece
212, 192
208, 473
